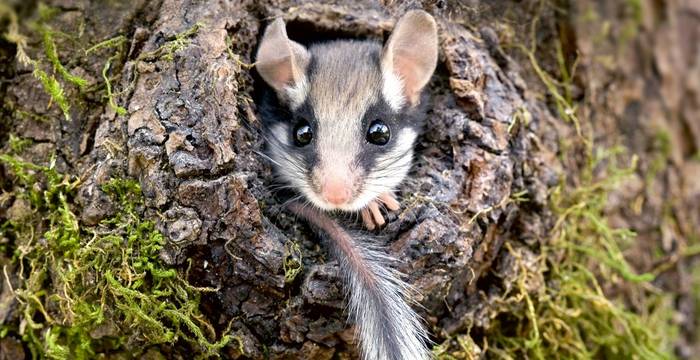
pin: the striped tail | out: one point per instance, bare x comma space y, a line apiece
388, 329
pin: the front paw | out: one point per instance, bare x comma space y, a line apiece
371, 215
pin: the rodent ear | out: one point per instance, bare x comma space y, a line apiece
411, 52
280, 62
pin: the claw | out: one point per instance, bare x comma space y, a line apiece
367, 219
376, 214
390, 201
371, 215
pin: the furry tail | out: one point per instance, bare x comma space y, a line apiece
388, 328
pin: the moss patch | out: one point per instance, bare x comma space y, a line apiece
52, 55
592, 303
89, 290
17, 144
172, 45
572, 317
292, 264
53, 88
119, 43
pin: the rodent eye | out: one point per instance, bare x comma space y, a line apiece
378, 133
302, 133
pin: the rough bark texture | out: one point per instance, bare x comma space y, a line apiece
190, 137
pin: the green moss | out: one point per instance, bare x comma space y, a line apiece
53, 88
292, 261
88, 290
110, 97
117, 41
49, 82
572, 317
46, 12
574, 314
17, 144
52, 55
173, 45
466, 348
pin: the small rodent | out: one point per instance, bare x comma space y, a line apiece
340, 120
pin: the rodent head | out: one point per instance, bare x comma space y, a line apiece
345, 116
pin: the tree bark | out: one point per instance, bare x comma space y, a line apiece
190, 135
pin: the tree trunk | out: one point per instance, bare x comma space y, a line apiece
476, 211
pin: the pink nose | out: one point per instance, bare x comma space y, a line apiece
336, 191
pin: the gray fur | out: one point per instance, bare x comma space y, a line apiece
342, 81
387, 327
339, 87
